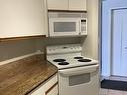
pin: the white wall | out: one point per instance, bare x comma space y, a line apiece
108, 5
22, 18
90, 43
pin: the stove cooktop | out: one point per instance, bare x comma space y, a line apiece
78, 57
63, 62
84, 60
67, 56
59, 60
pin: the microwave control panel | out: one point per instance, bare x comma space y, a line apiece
83, 30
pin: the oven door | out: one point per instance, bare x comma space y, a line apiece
79, 81
64, 26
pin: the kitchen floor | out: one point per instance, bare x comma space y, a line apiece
114, 92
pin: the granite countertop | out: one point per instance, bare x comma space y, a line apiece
21, 77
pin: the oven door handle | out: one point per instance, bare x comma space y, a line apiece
79, 70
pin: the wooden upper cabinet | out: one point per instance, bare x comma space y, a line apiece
57, 4
22, 18
77, 5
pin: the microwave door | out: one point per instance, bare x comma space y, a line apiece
64, 27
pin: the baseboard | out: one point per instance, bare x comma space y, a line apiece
104, 77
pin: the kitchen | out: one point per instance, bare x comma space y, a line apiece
24, 36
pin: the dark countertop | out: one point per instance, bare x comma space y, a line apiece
20, 77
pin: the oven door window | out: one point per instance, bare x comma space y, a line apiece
79, 79
64, 26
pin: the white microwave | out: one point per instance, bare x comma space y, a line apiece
67, 26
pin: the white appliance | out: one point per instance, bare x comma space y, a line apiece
67, 24
77, 75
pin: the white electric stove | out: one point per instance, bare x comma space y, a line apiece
67, 56
76, 74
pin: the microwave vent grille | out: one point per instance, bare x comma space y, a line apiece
66, 15
69, 15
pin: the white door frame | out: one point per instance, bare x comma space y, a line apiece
108, 6
112, 35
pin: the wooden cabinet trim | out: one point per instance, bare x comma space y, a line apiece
51, 88
21, 38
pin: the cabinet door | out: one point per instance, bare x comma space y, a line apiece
53, 91
77, 5
40, 91
51, 87
21, 18
58, 4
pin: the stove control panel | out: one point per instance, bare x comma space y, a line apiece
70, 48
